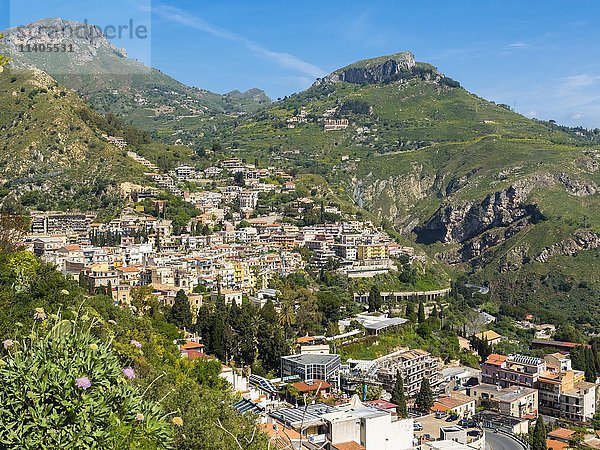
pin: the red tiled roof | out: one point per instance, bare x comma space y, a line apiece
194, 354
561, 433
556, 445
190, 345
495, 359
381, 404
313, 386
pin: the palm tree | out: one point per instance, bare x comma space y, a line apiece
287, 316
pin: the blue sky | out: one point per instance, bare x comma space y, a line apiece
541, 55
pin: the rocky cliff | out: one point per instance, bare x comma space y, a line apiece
459, 223
379, 70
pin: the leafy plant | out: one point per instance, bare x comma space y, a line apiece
60, 387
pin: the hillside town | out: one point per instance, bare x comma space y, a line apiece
316, 398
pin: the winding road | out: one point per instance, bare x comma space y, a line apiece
501, 441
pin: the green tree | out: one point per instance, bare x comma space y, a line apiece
375, 301
421, 312
143, 301
287, 316
410, 312
539, 435
596, 421
424, 400
373, 392
180, 313
398, 396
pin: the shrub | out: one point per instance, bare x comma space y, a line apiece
63, 388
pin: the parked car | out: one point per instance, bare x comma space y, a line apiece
465, 423
417, 426
451, 418
440, 414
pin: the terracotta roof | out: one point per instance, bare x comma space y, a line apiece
451, 401
556, 445
189, 345
352, 445
561, 433
381, 404
305, 339
490, 335
495, 359
194, 354
313, 386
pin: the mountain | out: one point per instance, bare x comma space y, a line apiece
53, 154
255, 96
110, 81
511, 201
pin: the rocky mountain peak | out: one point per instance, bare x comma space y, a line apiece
84, 41
376, 70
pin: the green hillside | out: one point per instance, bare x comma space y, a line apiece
52, 154
112, 82
486, 190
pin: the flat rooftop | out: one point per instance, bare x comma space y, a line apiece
309, 358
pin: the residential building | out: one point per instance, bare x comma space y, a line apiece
490, 336
512, 370
309, 367
461, 404
515, 401
229, 296
335, 124
562, 391
60, 223
373, 251
185, 172
566, 394
414, 365
372, 428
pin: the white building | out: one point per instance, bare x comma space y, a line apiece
370, 427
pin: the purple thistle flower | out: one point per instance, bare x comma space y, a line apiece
135, 343
129, 373
83, 383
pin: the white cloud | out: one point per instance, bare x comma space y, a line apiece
582, 80
286, 60
532, 114
518, 45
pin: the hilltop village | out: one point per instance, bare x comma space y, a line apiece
317, 386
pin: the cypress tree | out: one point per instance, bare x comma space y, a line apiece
180, 313
410, 311
539, 435
424, 400
590, 366
398, 396
421, 313
374, 299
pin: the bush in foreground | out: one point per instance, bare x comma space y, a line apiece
62, 388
